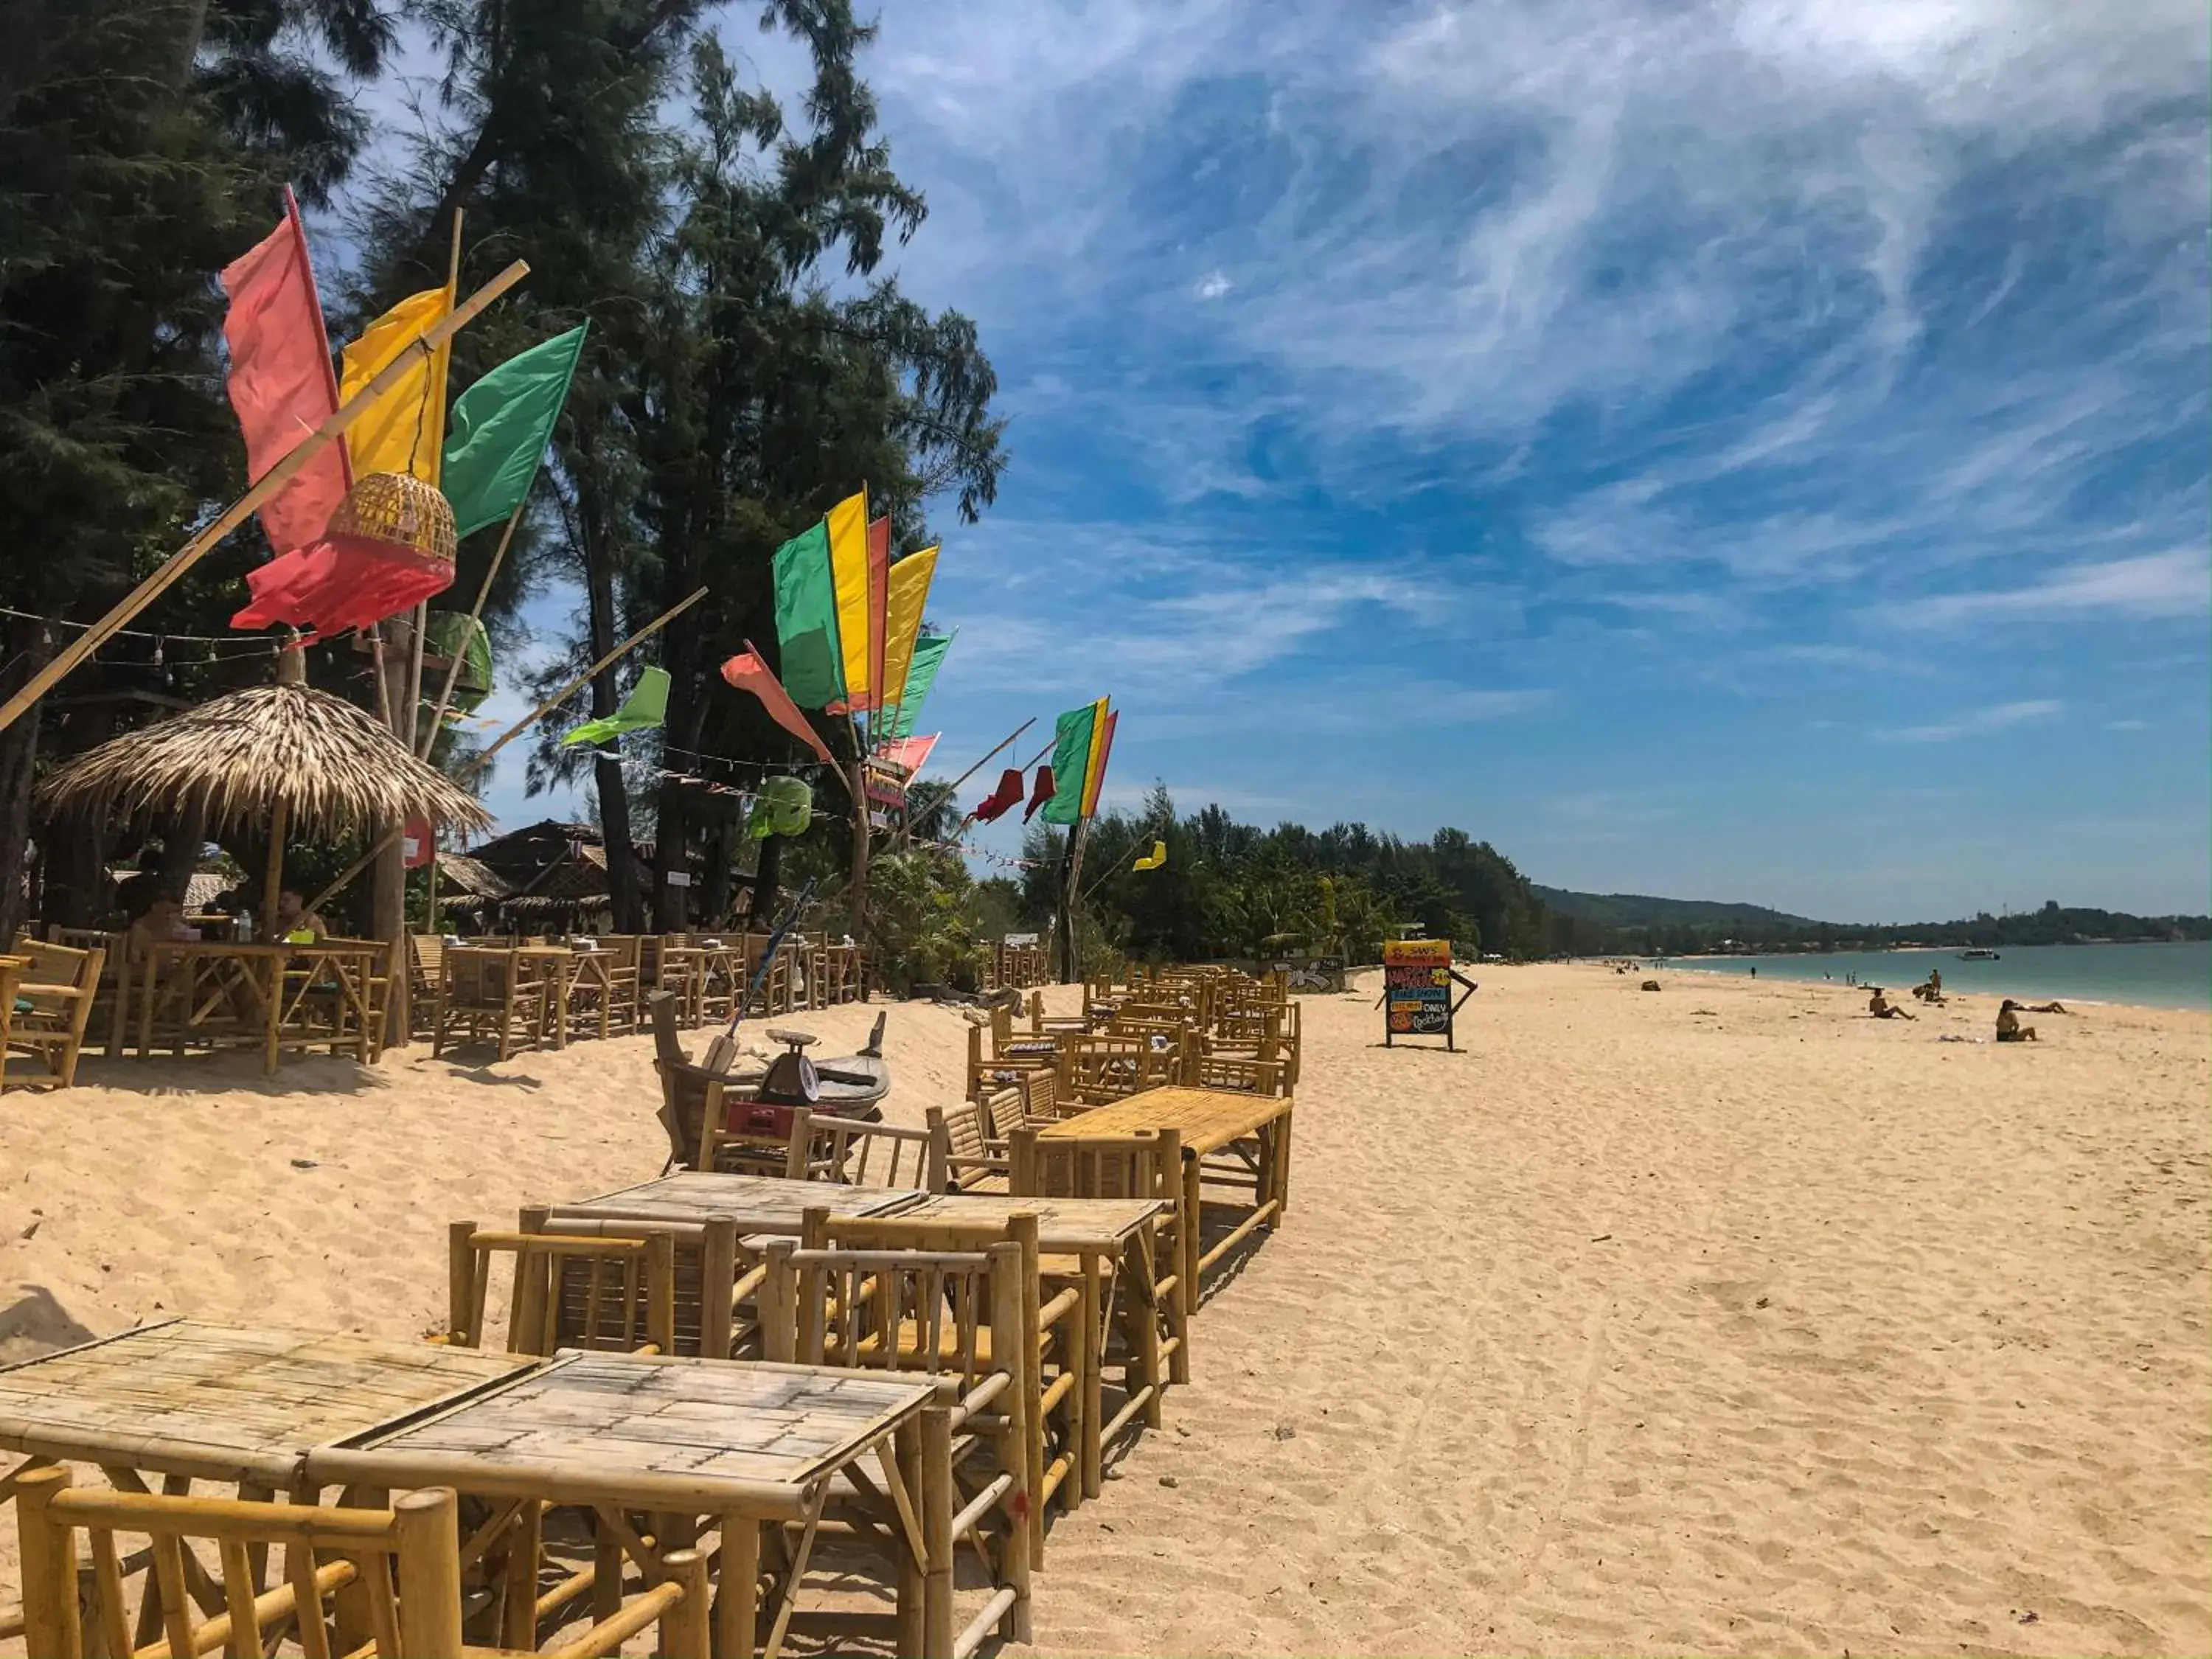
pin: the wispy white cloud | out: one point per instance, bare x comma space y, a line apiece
2177, 583
1215, 285
1979, 722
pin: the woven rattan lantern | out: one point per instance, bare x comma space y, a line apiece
388, 547
400, 510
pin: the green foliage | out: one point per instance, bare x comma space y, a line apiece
923, 922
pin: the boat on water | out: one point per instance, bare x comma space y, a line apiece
1978, 956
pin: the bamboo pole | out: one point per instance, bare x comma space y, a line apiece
437, 468
468, 632
174, 567
969, 823
480, 762
272, 878
986, 761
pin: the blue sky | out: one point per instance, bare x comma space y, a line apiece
1752, 452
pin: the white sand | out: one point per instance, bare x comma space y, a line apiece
1722, 1319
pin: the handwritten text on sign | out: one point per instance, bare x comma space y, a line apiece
1416, 984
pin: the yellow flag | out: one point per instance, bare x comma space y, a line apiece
910, 593
849, 575
1154, 859
404, 430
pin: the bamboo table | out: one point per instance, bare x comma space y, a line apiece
1209, 1121
236, 995
709, 1213
589, 970
191, 1400
556, 964
345, 967
1095, 1231
692, 1441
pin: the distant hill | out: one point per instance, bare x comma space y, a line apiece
1643, 910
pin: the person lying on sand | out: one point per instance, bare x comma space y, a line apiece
2042, 1007
1932, 992
2009, 1030
1882, 1008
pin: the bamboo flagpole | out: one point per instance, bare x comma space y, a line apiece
174, 567
422, 621
479, 762
468, 633
968, 822
986, 759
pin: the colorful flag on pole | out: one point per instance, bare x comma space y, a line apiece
880, 582
1154, 859
1001, 800
921, 674
1042, 795
645, 707
1100, 750
280, 380
405, 430
501, 427
1075, 735
848, 527
806, 619
908, 593
748, 673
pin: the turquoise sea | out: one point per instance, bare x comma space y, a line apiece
2154, 976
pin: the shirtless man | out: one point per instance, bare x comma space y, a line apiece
293, 918
2009, 1030
1882, 1008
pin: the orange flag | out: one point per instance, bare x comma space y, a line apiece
748, 673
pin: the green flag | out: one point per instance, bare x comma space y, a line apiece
928, 651
806, 620
451, 631
645, 706
500, 427
1073, 734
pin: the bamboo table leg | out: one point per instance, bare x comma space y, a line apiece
118, 1027
1193, 1216
1282, 1171
272, 1015
736, 1595
1089, 1358
912, 1572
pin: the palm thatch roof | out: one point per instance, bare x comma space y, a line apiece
332, 767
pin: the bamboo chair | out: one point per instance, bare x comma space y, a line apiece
615, 1295
1096, 1070
1040, 1102
60, 984
696, 1106
975, 1156
851, 1153
1054, 1335
985, 1075
360, 1582
947, 1314
426, 960
490, 994
624, 980
1254, 1077
1156, 1317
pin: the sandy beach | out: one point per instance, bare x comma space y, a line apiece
1724, 1320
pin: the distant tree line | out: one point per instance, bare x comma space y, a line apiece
2054, 923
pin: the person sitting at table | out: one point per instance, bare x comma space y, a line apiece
296, 923
163, 923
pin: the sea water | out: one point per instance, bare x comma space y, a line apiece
2170, 975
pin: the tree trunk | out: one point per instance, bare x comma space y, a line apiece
18, 759
672, 900
856, 906
388, 882
623, 898
183, 835
715, 901
760, 914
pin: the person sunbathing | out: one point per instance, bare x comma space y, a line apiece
1882, 1008
2009, 1030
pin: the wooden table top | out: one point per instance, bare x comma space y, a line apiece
652, 1431
1064, 1225
759, 1204
1208, 1118
229, 1402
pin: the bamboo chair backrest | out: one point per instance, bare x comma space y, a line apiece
931, 1311
614, 1295
1041, 1101
852, 1153
1147, 1164
428, 953
481, 979
1002, 1029
63, 972
970, 1159
401, 1566
1095, 1069
1239, 1072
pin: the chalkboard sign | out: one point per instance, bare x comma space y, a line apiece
1417, 989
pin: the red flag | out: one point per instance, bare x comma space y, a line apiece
1004, 798
342, 581
879, 583
281, 383
748, 673
1045, 790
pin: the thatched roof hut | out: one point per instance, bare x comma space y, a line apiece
312, 760
284, 755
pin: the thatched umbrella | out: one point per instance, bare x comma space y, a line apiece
285, 754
